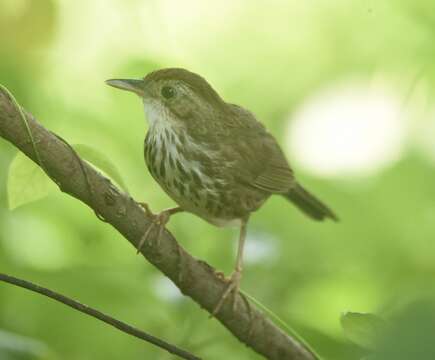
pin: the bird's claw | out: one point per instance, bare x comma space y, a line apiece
221, 276
159, 220
147, 209
232, 287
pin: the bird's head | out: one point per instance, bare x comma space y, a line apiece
173, 93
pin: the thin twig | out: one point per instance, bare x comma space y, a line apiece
98, 315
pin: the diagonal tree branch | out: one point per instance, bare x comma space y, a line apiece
98, 315
193, 277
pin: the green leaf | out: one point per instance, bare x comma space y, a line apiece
362, 329
26, 182
101, 162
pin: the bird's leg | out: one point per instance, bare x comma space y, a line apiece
236, 276
160, 220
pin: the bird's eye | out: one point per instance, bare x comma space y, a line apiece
168, 92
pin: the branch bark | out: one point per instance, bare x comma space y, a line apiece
194, 278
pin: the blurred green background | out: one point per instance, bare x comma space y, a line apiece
347, 87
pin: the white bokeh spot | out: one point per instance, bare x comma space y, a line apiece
353, 129
259, 247
166, 290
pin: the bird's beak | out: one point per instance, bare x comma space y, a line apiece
133, 85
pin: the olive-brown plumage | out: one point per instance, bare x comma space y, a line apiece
212, 157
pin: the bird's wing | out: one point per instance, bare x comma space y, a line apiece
261, 162
275, 175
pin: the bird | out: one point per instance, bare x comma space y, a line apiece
212, 157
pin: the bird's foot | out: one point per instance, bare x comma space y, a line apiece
221, 276
159, 220
146, 208
232, 288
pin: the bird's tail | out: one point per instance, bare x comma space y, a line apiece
310, 205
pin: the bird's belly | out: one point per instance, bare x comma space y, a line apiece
221, 207
225, 222
199, 184
206, 202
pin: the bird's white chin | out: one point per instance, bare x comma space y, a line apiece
155, 111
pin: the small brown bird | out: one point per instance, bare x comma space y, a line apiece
213, 158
